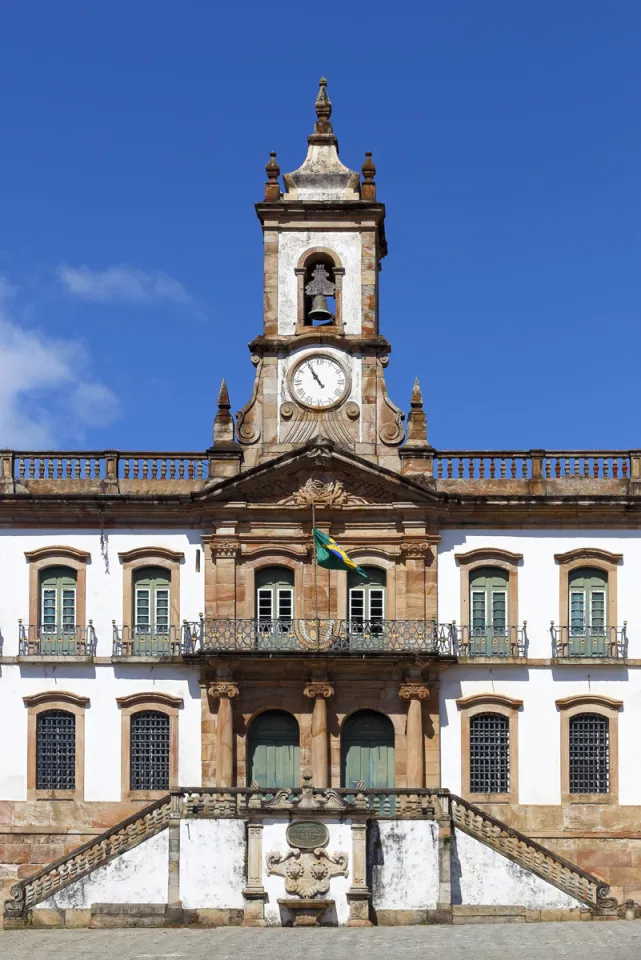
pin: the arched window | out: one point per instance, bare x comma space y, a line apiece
588, 592
149, 751
489, 753
273, 752
367, 750
589, 753
367, 597
55, 750
57, 615
489, 611
151, 612
274, 605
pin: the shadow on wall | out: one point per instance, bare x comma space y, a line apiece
455, 872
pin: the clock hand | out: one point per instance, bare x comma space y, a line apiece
315, 376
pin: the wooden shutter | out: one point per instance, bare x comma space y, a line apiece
273, 749
367, 750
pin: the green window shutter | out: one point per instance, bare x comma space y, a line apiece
151, 610
588, 597
58, 606
367, 599
489, 607
367, 750
273, 750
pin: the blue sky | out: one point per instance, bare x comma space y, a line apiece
508, 146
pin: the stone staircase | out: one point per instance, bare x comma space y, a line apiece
451, 812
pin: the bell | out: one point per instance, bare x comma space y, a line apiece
320, 311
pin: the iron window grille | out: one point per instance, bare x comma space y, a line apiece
149, 763
589, 753
56, 750
489, 753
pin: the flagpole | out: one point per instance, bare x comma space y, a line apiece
315, 563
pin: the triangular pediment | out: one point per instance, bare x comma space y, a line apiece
319, 473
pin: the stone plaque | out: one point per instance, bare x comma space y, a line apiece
307, 834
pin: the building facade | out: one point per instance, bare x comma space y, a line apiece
164, 624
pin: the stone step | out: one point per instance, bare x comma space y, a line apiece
128, 915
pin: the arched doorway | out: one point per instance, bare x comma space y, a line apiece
367, 750
273, 754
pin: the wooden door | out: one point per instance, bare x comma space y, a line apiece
367, 748
273, 750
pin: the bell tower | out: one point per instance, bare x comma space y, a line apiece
320, 360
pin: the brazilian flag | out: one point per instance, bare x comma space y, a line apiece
333, 557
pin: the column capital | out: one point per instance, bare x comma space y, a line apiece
224, 548
223, 690
415, 549
413, 691
318, 688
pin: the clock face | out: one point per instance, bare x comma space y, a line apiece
319, 381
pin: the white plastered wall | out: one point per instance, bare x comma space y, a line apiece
404, 858
212, 864
540, 686
291, 246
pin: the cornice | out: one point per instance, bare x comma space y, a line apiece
141, 553
488, 553
589, 553
587, 700
51, 696
491, 699
164, 699
69, 553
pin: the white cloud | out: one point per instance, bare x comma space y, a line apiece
47, 395
124, 283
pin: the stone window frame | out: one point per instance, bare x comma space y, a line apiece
596, 558
150, 556
318, 254
274, 557
57, 556
569, 707
507, 707
165, 703
489, 557
41, 703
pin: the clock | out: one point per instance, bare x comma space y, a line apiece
319, 382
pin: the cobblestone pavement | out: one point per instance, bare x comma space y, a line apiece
552, 941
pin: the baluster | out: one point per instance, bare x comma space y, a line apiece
557, 467
502, 467
125, 469
513, 465
459, 468
582, 465
40, 469
595, 467
190, 469
74, 469
163, 469
624, 467
482, 468
30, 468
615, 467
450, 464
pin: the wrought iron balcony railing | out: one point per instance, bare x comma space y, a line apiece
490, 641
145, 642
598, 642
48, 640
317, 636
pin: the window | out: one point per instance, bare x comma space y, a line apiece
149, 752
149, 755
55, 745
367, 598
151, 601
57, 621
587, 602
489, 753
274, 604
589, 753
273, 750
152, 588
55, 750
489, 611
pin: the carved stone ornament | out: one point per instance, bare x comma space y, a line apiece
352, 410
318, 689
307, 875
287, 410
326, 492
223, 689
413, 691
421, 549
224, 549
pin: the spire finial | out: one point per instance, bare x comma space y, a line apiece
323, 109
416, 400
416, 420
368, 187
223, 422
272, 186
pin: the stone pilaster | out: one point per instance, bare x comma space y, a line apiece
359, 894
224, 691
174, 903
415, 693
319, 692
254, 893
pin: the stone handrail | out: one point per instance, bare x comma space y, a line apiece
85, 859
578, 883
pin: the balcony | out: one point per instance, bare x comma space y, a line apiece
342, 637
490, 641
47, 640
142, 642
601, 643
